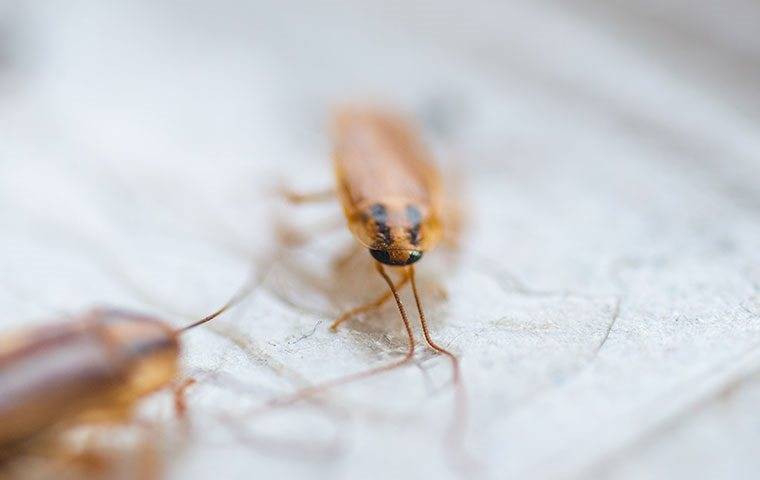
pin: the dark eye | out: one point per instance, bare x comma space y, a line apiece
381, 256
414, 255
395, 259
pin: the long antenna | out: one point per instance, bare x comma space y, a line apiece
243, 292
209, 317
316, 389
460, 421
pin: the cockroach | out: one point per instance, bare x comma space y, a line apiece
391, 196
93, 367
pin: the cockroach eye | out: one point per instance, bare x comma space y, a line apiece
414, 255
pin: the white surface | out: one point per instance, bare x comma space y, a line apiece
605, 301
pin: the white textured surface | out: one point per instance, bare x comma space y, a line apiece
606, 298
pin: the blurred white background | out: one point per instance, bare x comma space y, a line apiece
605, 300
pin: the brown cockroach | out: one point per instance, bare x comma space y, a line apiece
94, 367
391, 196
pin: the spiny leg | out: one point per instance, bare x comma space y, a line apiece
180, 396
374, 304
316, 389
298, 198
295, 237
457, 429
290, 236
342, 260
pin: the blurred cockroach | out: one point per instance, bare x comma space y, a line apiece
391, 197
95, 367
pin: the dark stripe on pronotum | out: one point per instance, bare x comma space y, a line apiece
379, 212
380, 216
415, 220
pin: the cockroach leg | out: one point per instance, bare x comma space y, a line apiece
342, 260
180, 396
291, 237
298, 198
317, 389
372, 305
